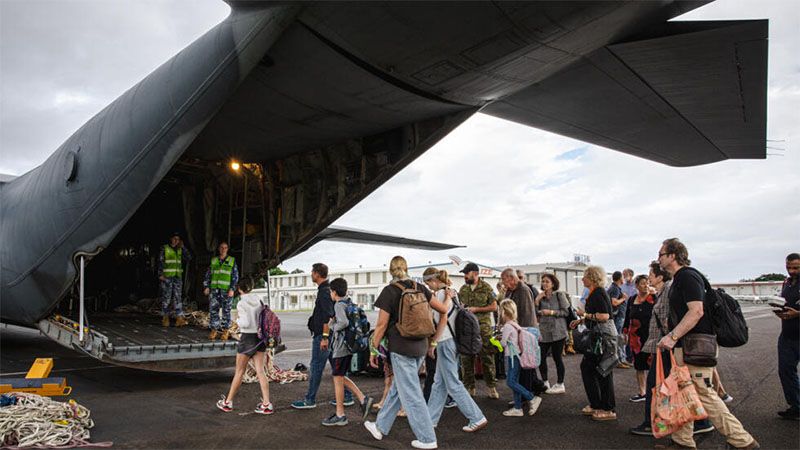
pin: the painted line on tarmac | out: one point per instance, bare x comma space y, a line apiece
60, 370
760, 316
297, 350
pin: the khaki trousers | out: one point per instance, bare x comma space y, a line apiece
719, 415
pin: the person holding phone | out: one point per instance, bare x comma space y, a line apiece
789, 339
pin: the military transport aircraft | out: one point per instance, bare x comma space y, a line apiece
318, 104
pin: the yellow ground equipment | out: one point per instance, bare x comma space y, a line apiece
36, 381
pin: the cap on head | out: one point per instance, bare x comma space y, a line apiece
470, 267
175, 233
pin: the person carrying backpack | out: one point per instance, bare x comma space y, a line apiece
249, 347
692, 334
342, 354
405, 318
446, 380
510, 341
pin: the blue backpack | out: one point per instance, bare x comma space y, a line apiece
357, 331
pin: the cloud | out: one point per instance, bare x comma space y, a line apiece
512, 194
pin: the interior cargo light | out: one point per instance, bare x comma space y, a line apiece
235, 166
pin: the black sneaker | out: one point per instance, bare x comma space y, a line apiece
335, 421
638, 398
790, 414
642, 430
366, 407
346, 402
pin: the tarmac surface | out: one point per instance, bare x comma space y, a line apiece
139, 409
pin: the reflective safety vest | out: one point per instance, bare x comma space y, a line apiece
221, 273
172, 262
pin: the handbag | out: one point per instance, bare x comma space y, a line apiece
700, 349
588, 341
675, 400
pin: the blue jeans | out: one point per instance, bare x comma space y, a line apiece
619, 321
319, 358
512, 380
446, 382
407, 392
788, 358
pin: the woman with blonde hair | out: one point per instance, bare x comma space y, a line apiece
510, 342
407, 355
597, 315
445, 377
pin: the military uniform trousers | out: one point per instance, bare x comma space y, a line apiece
172, 292
218, 300
487, 361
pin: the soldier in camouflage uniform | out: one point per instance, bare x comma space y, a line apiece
477, 296
219, 285
171, 260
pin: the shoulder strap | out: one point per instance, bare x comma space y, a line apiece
400, 286
660, 325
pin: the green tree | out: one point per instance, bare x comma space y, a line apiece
771, 277
277, 271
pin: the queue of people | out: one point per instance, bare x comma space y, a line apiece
666, 307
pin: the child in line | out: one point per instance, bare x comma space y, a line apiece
509, 340
341, 357
249, 347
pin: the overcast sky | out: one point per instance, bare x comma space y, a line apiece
537, 197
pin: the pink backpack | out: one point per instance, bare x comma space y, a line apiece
528, 341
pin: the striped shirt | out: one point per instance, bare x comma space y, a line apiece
660, 312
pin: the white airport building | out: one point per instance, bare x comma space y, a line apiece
296, 291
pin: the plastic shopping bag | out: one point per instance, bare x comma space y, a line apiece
675, 399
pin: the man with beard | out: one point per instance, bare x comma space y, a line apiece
477, 296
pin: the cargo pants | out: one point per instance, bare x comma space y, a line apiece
218, 299
719, 415
487, 361
172, 292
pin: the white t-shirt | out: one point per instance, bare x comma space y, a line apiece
446, 334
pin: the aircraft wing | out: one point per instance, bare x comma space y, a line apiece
353, 235
690, 93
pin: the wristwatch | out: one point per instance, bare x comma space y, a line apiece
673, 336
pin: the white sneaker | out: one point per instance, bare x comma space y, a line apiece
547, 384
417, 444
534, 405
557, 388
373, 430
513, 412
473, 427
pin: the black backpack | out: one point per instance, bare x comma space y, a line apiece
725, 315
467, 333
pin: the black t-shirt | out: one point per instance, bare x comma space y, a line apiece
687, 286
790, 329
389, 301
598, 301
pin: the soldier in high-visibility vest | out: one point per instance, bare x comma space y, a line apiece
220, 283
170, 272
